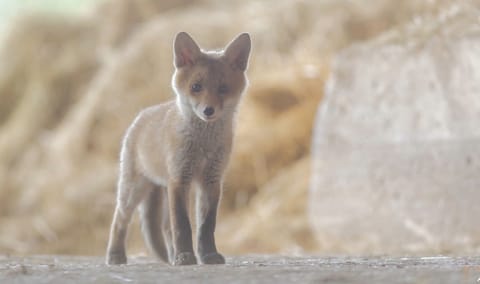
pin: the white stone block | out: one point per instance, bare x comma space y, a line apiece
396, 146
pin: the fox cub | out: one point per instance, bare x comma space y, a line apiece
172, 146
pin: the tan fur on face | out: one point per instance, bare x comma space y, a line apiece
212, 71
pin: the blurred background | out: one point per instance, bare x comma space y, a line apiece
359, 133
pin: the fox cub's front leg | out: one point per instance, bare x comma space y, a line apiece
208, 196
180, 224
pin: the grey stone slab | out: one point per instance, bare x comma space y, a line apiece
248, 269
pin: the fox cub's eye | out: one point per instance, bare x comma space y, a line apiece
196, 87
223, 89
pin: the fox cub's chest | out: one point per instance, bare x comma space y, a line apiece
205, 140
206, 144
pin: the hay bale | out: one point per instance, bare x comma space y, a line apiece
275, 221
46, 63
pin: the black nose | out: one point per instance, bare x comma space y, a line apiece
209, 111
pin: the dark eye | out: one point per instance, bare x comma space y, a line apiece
223, 89
197, 87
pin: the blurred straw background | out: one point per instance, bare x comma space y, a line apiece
73, 77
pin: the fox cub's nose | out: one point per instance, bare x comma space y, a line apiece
208, 111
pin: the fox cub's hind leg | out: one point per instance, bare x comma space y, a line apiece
132, 190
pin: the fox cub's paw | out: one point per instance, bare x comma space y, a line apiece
212, 258
114, 258
185, 258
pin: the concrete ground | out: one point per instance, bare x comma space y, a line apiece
249, 269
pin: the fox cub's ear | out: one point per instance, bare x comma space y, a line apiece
238, 50
186, 51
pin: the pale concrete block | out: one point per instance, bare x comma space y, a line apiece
397, 142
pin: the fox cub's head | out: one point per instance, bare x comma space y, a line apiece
209, 83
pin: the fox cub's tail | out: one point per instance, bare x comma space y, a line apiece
155, 223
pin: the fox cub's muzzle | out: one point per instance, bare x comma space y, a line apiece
208, 113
